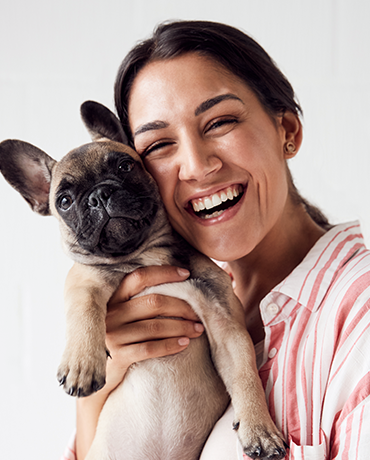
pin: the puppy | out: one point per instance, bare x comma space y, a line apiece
112, 221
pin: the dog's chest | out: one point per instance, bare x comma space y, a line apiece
164, 409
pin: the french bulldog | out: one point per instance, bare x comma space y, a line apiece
112, 221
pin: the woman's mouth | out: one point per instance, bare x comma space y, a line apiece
211, 206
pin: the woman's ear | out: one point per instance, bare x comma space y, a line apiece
292, 129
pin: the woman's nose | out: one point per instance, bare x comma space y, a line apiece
197, 161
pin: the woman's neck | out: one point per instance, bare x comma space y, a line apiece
282, 249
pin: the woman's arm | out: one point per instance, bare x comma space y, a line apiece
134, 333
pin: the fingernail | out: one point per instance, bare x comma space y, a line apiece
183, 272
199, 327
184, 341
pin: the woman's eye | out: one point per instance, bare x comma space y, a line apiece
155, 147
223, 122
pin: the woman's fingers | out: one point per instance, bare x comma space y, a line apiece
151, 349
146, 307
153, 329
122, 308
138, 280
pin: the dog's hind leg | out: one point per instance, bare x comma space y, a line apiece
234, 357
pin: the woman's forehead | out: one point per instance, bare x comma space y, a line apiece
191, 80
187, 66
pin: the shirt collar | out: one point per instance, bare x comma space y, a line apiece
310, 280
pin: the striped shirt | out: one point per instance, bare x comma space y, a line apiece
315, 365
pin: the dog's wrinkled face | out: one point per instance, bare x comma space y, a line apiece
107, 204
104, 199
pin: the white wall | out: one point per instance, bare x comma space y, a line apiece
53, 56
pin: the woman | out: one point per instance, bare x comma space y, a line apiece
215, 122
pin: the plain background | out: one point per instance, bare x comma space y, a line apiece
53, 56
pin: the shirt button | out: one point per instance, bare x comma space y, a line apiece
273, 308
272, 353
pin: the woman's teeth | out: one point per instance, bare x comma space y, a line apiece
209, 202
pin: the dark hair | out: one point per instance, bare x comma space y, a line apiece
233, 49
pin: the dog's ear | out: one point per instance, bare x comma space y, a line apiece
28, 169
102, 123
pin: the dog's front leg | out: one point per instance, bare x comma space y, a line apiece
83, 366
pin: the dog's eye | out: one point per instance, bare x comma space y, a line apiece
65, 202
126, 166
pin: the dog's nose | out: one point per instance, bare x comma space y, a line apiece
100, 196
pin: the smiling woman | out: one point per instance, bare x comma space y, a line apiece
215, 122
214, 135
233, 52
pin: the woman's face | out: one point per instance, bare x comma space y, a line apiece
215, 153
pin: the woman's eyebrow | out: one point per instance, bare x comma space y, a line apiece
203, 107
209, 103
152, 125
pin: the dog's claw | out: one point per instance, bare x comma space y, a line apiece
236, 426
260, 453
255, 453
83, 374
260, 441
96, 386
279, 452
81, 391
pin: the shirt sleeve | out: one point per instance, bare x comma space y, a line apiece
70, 450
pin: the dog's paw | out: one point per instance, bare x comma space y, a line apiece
260, 443
82, 374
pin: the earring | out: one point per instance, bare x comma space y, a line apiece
290, 148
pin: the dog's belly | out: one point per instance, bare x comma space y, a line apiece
164, 409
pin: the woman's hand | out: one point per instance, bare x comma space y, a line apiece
135, 333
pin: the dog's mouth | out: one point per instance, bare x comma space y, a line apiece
214, 205
121, 235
